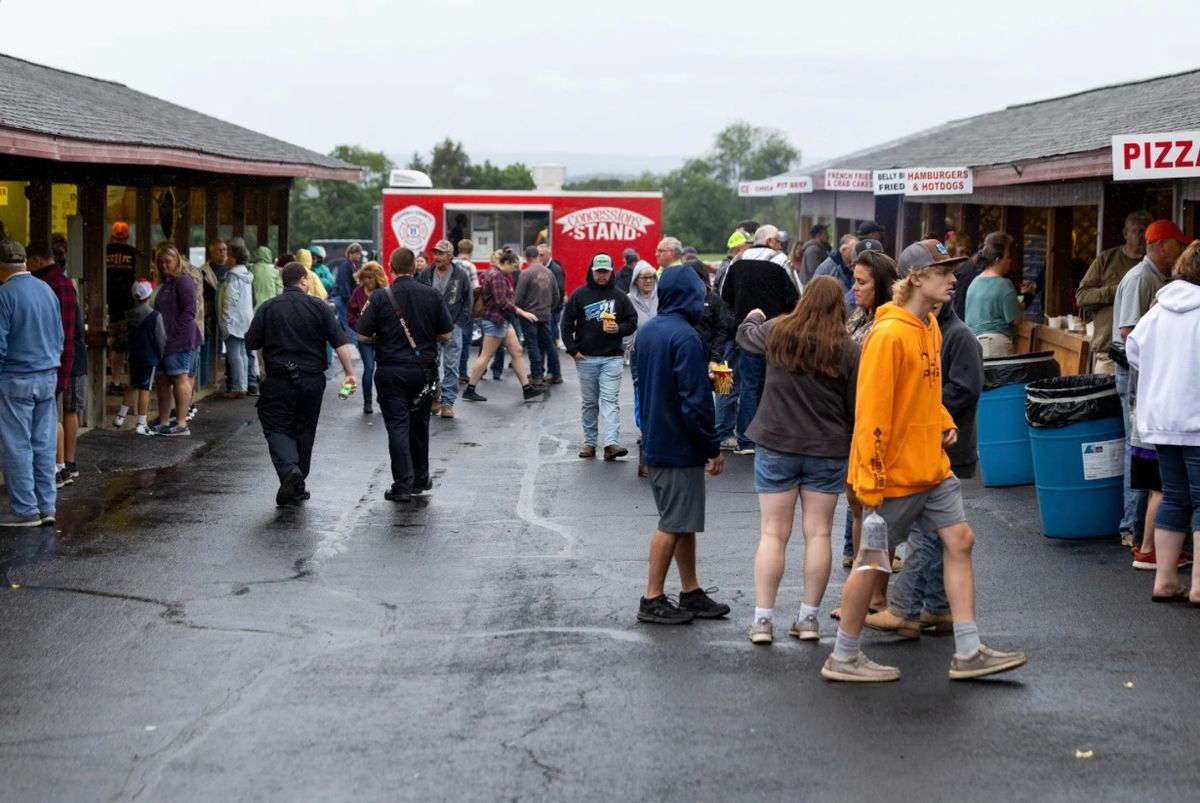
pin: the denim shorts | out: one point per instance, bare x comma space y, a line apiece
195, 360
1179, 511
492, 329
776, 472
178, 364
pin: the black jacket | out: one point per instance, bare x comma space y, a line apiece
715, 322
424, 312
560, 276
624, 278
962, 382
294, 327
458, 295
758, 281
582, 331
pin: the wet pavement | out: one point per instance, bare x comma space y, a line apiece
177, 637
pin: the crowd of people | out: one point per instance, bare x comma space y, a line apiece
852, 373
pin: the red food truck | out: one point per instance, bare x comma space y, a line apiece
576, 225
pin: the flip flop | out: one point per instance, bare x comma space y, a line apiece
1179, 596
836, 613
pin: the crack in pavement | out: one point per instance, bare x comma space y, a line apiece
549, 771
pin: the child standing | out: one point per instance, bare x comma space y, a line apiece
147, 343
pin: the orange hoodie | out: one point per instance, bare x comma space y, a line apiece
899, 417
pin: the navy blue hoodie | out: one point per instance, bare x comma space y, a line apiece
678, 419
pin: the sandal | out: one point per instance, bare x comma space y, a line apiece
1179, 596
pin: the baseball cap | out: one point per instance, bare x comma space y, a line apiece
120, 230
443, 245
868, 227
736, 240
630, 254
924, 253
601, 262
1161, 230
867, 245
142, 290
689, 250
12, 252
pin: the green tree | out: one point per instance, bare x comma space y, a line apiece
340, 209
488, 176
449, 165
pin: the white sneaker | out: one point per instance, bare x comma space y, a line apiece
729, 444
119, 421
744, 450
142, 429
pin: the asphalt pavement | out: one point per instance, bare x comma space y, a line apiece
176, 637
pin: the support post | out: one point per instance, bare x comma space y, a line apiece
262, 217
239, 210
92, 203
144, 201
1058, 292
1014, 225
284, 211
38, 195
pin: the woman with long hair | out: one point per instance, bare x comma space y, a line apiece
370, 277
644, 295
176, 302
499, 304
802, 432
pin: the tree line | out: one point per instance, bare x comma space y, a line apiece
700, 200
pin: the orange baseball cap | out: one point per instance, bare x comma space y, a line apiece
1161, 230
120, 230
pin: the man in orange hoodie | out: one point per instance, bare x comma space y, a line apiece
899, 469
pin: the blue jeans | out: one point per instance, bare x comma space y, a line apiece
727, 405
848, 538
637, 397
450, 352
468, 332
367, 352
754, 373
541, 348
1180, 508
339, 306
555, 330
235, 351
921, 585
1134, 516
28, 436
252, 370
599, 388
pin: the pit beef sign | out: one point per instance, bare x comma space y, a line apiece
774, 186
1156, 156
604, 223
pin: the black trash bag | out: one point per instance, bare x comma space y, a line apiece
1018, 369
1053, 403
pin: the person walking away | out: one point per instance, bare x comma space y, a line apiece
1135, 294
917, 598
802, 432
1153, 348
644, 297
454, 286
1098, 288
993, 308
756, 281
899, 470
536, 291
176, 302
370, 277
408, 320
596, 319
679, 444
294, 331
237, 310
556, 311
31, 347
814, 251
147, 347
499, 304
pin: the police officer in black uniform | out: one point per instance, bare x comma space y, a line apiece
407, 320
293, 329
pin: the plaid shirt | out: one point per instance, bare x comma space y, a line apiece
499, 296
65, 292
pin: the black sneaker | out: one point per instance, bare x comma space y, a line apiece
661, 611
251, 391
699, 603
470, 395
394, 494
289, 488
532, 393
62, 479
420, 487
72, 470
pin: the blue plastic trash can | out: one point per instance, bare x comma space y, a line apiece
1003, 434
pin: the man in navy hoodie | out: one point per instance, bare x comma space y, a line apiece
679, 442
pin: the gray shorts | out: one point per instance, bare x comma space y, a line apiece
679, 495
74, 395
940, 506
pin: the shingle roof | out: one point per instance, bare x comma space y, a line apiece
43, 100
1072, 124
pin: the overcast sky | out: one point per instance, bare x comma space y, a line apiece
644, 78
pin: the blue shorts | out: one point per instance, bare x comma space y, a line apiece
178, 364
195, 360
491, 329
776, 472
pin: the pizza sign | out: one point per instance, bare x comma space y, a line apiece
413, 227
603, 223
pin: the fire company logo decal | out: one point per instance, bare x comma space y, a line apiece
413, 226
604, 223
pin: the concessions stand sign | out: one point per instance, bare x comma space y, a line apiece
918, 181
1138, 157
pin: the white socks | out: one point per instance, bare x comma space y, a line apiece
966, 639
807, 611
764, 613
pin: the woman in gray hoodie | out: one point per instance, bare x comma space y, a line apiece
237, 310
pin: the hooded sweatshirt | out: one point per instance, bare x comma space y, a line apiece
899, 417
715, 322
237, 302
758, 280
1164, 379
266, 280
962, 382
315, 286
646, 307
583, 331
678, 418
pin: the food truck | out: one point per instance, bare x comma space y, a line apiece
576, 225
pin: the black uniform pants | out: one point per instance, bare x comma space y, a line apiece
288, 412
407, 429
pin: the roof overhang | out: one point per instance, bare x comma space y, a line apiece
15, 142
